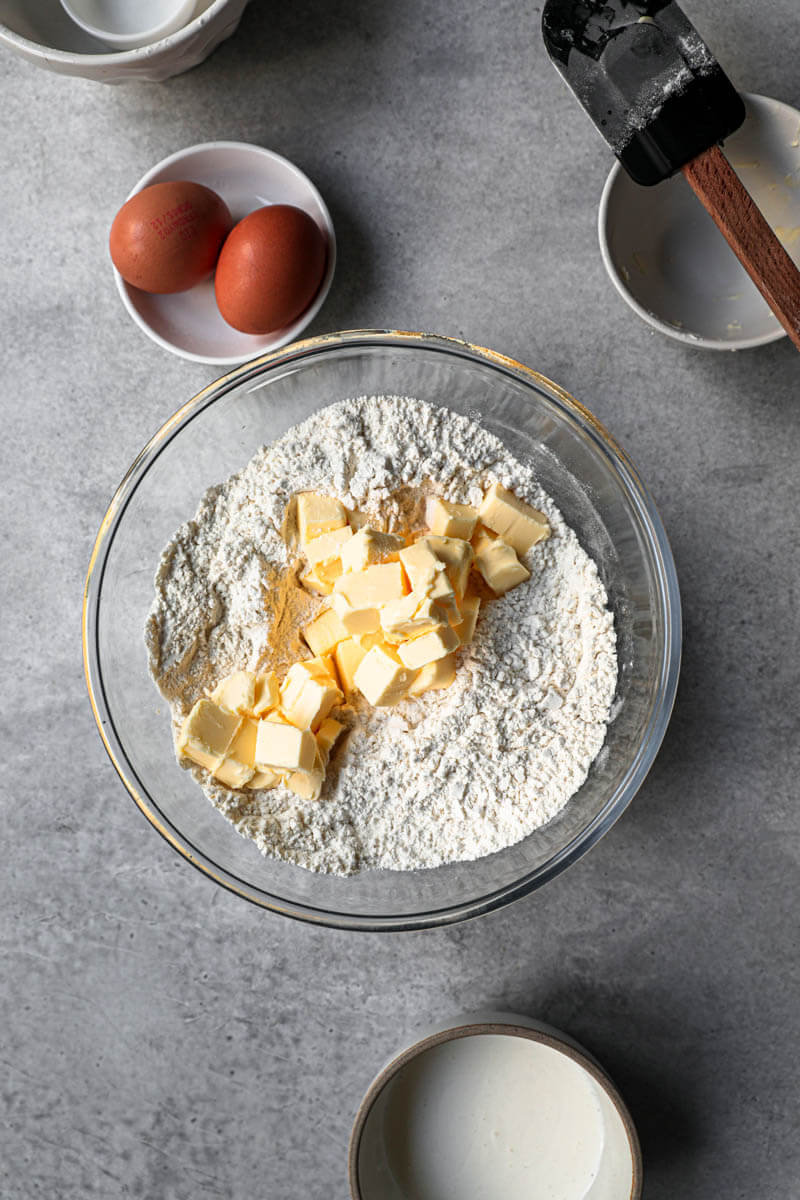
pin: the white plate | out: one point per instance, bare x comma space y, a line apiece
246, 177
668, 260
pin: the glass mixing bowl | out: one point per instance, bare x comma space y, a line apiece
215, 434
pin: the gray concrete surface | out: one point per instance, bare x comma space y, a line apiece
162, 1039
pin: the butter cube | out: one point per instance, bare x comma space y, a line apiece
441, 591
327, 735
308, 696
243, 746
410, 617
317, 515
267, 694
314, 582
328, 572
450, 520
233, 774
322, 666
207, 733
421, 566
236, 692
517, 523
382, 677
457, 556
237, 767
280, 746
427, 574
369, 546
372, 587
498, 564
325, 632
327, 548
480, 536
356, 621
306, 784
429, 647
465, 628
263, 779
374, 638
438, 674
348, 656
359, 595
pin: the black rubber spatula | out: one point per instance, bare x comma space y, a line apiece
663, 103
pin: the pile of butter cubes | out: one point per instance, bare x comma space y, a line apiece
399, 608
252, 733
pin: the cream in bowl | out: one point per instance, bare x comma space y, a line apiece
506, 1109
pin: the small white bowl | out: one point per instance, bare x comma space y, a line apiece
668, 260
126, 26
488, 1106
247, 177
41, 31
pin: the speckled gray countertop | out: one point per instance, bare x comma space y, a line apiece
160, 1037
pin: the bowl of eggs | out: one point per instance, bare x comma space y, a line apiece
222, 252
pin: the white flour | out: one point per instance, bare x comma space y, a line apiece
455, 774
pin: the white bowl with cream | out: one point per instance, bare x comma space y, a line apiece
499, 1108
670, 263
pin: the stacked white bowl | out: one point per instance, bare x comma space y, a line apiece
113, 41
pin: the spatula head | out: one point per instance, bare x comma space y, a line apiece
646, 78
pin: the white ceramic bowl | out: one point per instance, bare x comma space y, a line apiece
41, 31
125, 26
670, 263
445, 1108
189, 324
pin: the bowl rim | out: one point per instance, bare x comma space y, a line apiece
33, 49
647, 315
669, 601
508, 1025
308, 314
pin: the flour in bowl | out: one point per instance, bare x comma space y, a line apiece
453, 774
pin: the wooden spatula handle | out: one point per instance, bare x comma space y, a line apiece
753, 242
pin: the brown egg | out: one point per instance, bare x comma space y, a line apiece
167, 237
270, 268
